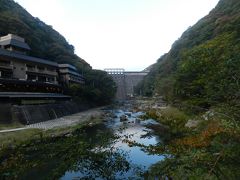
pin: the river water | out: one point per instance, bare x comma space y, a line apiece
104, 150
133, 129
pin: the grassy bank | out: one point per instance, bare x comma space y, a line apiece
50, 154
202, 146
15, 138
10, 126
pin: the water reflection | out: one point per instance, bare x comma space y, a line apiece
92, 152
132, 129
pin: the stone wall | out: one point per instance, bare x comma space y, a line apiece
29, 114
5, 112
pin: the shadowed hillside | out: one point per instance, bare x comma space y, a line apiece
47, 43
200, 79
203, 66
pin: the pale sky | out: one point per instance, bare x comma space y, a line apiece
129, 34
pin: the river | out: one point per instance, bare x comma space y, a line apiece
99, 151
132, 129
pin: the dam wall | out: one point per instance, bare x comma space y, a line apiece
126, 81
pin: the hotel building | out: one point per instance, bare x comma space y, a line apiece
22, 73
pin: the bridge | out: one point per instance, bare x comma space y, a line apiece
126, 81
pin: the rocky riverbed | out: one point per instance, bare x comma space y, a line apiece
100, 147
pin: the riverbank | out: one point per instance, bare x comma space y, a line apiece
48, 154
203, 145
15, 134
95, 148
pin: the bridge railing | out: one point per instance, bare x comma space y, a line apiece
115, 70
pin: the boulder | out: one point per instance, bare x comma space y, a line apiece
123, 118
192, 123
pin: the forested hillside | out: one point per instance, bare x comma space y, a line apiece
200, 79
45, 42
203, 66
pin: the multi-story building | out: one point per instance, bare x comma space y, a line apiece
68, 74
14, 43
20, 72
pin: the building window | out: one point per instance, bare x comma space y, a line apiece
5, 63
32, 77
42, 78
6, 74
51, 69
30, 67
40, 68
50, 79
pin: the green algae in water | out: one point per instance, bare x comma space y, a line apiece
51, 157
89, 152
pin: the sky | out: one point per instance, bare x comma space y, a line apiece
129, 34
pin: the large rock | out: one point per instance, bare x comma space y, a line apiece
123, 118
192, 123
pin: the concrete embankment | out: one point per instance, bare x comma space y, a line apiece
30, 114
69, 120
64, 121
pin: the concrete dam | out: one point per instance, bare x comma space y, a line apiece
126, 81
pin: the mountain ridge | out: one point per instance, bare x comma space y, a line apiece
45, 42
211, 40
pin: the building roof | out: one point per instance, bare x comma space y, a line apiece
15, 42
23, 57
69, 66
75, 73
70, 69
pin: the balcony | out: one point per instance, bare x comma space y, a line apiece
67, 71
64, 71
76, 79
31, 69
48, 72
28, 86
41, 71
6, 66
